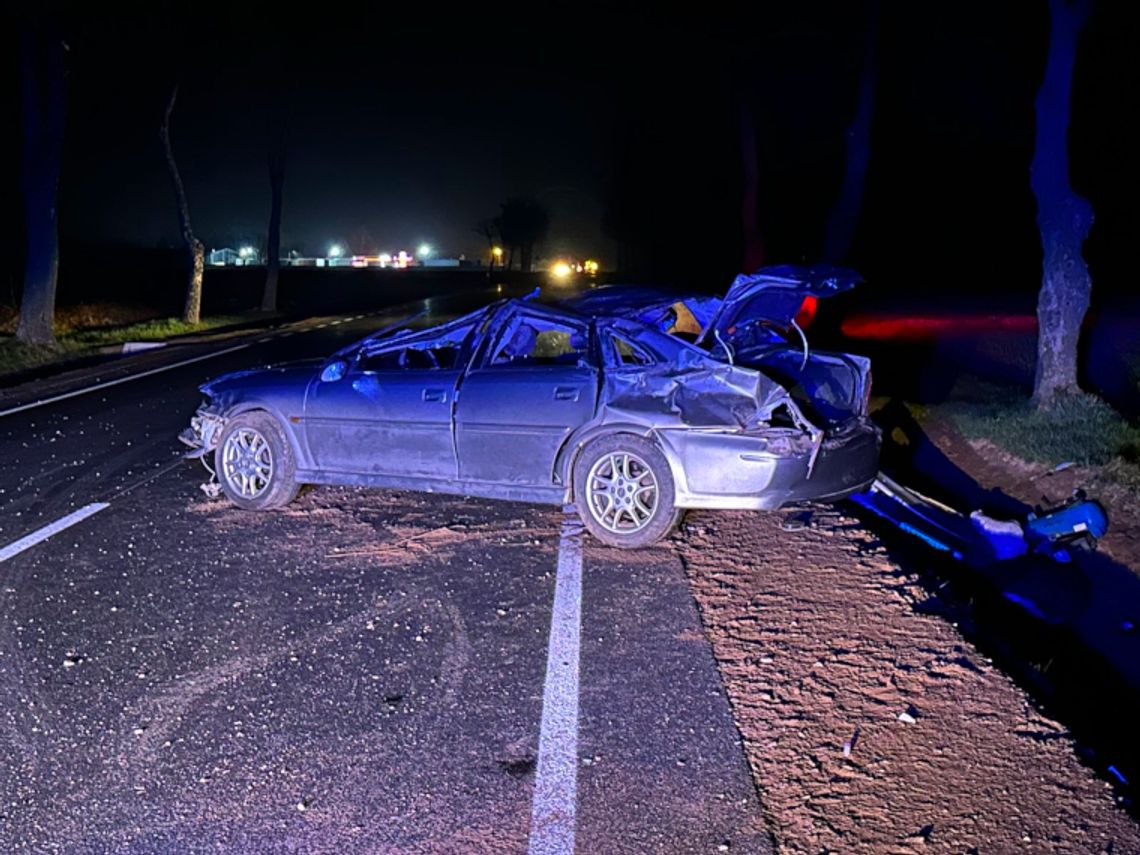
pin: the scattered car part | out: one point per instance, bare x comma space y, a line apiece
978, 539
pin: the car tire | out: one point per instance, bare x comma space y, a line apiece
623, 488
255, 463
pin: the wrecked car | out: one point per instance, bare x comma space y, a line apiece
607, 410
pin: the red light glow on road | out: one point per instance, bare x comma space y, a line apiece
922, 327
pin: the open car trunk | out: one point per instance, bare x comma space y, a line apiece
832, 389
754, 325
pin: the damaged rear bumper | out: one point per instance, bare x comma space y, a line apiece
744, 472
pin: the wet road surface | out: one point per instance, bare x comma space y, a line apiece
363, 671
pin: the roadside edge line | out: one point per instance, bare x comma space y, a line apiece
552, 823
41, 534
106, 385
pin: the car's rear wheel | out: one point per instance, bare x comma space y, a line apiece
624, 491
255, 463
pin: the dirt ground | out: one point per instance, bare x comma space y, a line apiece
869, 726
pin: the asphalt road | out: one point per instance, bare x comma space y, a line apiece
365, 671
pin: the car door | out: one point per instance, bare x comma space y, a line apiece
390, 414
534, 384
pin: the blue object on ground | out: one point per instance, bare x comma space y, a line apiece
1077, 519
980, 540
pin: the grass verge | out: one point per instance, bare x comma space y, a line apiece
18, 356
1081, 430
1085, 431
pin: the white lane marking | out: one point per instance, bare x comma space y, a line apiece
76, 392
552, 819
139, 346
40, 535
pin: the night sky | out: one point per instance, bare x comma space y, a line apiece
410, 125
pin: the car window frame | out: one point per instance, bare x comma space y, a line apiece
403, 342
493, 342
613, 358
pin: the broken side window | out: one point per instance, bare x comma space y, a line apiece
629, 354
531, 341
440, 352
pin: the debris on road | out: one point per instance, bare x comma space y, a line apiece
849, 745
797, 521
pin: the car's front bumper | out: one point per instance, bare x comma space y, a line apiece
204, 432
746, 472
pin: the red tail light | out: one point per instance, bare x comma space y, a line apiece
806, 313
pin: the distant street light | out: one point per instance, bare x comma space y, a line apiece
424, 250
561, 270
335, 250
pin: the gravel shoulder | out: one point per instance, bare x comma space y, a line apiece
820, 644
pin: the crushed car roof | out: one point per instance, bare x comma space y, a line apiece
773, 293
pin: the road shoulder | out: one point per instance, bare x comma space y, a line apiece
868, 725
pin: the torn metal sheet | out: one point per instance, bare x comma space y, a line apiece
777, 293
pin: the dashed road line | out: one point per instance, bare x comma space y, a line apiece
552, 819
41, 534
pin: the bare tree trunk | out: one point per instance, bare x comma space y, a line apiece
749, 209
487, 230
1063, 217
840, 229
273, 241
42, 105
511, 258
193, 310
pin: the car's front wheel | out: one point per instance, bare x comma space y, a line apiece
624, 491
255, 464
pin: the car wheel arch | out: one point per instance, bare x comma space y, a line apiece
283, 424
572, 450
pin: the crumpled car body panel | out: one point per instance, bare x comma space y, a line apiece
753, 325
499, 403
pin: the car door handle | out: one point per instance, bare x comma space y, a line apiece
437, 395
566, 393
